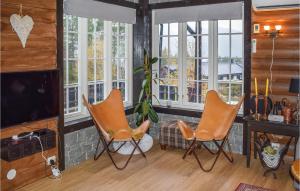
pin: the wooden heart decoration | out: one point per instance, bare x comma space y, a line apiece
22, 26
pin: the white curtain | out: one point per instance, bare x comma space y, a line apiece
220, 11
97, 9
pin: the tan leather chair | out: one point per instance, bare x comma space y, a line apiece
112, 125
214, 125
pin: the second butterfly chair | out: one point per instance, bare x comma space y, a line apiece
214, 126
112, 125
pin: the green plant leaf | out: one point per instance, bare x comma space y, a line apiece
146, 108
144, 83
154, 60
153, 115
138, 69
139, 119
137, 107
141, 95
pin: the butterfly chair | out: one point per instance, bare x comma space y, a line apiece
112, 125
214, 126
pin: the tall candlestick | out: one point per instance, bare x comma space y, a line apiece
267, 87
255, 85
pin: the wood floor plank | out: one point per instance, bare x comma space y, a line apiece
164, 170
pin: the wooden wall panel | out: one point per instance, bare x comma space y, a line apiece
29, 168
40, 51
286, 54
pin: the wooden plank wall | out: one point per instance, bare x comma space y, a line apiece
286, 54
40, 51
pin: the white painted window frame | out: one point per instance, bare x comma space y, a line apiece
182, 77
83, 66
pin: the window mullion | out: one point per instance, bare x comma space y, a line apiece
83, 73
108, 57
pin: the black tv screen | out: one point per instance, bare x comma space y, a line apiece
28, 96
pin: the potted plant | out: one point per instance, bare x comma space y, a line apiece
144, 107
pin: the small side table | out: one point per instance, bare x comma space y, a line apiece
268, 127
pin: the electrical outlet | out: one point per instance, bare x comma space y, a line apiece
51, 158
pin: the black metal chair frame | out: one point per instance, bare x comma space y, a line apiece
194, 145
106, 148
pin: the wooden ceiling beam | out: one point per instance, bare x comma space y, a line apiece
186, 3
122, 3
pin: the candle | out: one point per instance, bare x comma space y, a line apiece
255, 85
267, 87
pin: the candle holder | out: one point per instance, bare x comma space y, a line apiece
256, 108
265, 115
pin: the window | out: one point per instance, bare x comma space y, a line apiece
168, 62
195, 57
230, 60
119, 58
71, 61
95, 55
97, 58
196, 61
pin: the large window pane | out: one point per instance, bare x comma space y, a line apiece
163, 68
173, 46
174, 29
236, 46
191, 28
223, 46
163, 29
202, 90
236, 26
223, 90
91, 70
203, 27
191, 69
203, 69
99, 70
73, 71
164, 44
191, 46
203, 42
223, 26
192, 92
73, 45
236, 93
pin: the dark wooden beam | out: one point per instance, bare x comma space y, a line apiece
142, 31
247, 65
186, 3
122, 3
60, 67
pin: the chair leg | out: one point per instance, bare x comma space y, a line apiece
216, 158
126, 163
96, 156
118, 148
137, 145
189, 149
221, 148
208, 149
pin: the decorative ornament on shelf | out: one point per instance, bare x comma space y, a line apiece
22, 25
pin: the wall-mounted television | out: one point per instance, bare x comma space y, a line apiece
28, 96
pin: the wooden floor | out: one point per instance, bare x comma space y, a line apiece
163, 170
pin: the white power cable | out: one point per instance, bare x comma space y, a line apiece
272, 62
38, 138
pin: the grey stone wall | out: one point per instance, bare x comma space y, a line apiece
80, 145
